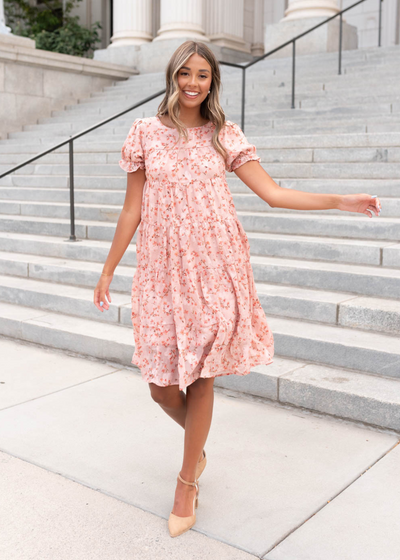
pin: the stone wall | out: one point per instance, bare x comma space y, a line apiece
34, 82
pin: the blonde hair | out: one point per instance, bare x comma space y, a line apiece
210, 108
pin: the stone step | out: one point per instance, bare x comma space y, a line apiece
15, 197
324, 224
387, 154
328, 249
357, 251
280, 94
329, 140
380, 187
51, 246
349, 394
268, 139
102, 211
317, 101
350, 278
258, 79
374, 353
254, 125
332, 308
354, 226
261, 105
334, 169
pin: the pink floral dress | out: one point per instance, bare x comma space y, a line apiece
195, 310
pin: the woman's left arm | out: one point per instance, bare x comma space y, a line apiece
258, 180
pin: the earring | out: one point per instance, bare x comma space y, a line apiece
209, 91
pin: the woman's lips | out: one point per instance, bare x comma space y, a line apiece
190, 96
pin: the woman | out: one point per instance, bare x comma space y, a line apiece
195, 311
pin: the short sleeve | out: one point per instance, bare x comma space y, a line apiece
238, 148
132, 150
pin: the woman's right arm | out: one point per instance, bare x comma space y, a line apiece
127, 225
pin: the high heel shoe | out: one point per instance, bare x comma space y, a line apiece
201, 465
178, 525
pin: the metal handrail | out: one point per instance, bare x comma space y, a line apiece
70, 141
244, 67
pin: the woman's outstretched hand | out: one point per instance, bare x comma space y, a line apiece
101, 291
363, 203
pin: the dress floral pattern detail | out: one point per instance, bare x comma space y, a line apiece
195, 310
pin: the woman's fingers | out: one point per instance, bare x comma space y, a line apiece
102, 299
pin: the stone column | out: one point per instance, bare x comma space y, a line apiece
310, 8
224, 25
302, 15
3, 27
132, 22
181, 19
257, 47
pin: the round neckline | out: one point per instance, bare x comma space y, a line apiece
188, 128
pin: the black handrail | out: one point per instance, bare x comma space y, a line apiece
70, 141
244, 67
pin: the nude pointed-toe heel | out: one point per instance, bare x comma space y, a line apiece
201, 465
178, 525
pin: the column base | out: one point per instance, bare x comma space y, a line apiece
323, 39
154, 56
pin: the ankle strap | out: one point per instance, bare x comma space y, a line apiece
186, 482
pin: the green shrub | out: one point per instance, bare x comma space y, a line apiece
52, 28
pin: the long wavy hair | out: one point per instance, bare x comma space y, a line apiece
210, 108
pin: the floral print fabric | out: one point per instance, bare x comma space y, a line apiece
195, 311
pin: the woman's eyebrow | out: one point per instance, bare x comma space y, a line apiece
187, 68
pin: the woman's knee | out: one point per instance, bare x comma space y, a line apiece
164, 395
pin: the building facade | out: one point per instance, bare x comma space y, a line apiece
237, 24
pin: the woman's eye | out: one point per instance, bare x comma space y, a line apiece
186, 74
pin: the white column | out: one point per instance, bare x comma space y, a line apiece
225, 21
3, 26
257, 47
131, 22
310, 8
181, 18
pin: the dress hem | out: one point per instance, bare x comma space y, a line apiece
219, 374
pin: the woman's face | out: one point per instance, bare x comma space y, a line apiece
195, 77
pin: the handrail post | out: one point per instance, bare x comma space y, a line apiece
340, 43
71, 191
293, 70
243, 95
380, 22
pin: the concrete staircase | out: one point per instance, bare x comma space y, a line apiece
329, 281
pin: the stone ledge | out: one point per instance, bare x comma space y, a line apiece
19, 54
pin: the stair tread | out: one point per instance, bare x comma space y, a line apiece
358, 269
293, 292
344, 336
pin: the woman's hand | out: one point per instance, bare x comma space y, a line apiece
363, 203
101, 291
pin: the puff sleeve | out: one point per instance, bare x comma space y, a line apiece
236, 144
132, 151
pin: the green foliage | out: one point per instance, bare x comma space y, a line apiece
52, 28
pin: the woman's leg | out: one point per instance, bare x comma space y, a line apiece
193, 412
172, 400
199, 409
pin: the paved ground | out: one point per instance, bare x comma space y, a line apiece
88, 466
